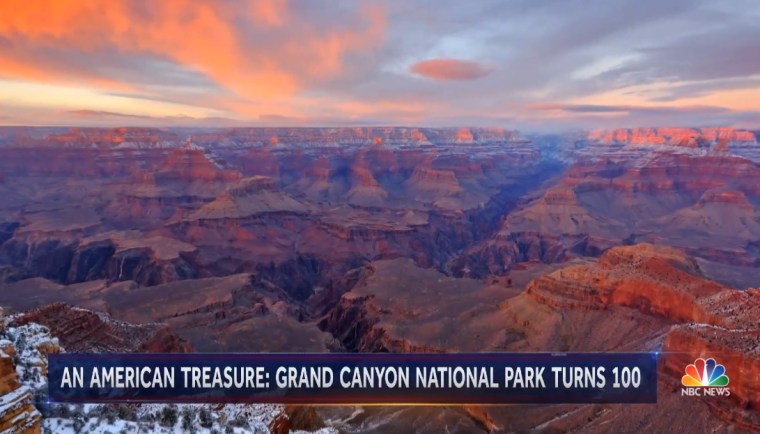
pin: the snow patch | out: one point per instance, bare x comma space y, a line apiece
121, 419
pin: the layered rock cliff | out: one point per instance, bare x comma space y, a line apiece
81, 330
686, 137
222, 233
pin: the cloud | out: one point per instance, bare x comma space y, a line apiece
86, 117
100, 113
450, 69
295, 62
653, 109
695, 89
253, 54
566, 116
728, 52
581, 108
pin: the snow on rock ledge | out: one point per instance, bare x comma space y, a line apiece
17, 411
23, 384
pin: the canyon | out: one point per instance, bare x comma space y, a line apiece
397, 239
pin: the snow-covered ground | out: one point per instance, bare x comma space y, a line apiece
122, 419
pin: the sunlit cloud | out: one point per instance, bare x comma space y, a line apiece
241, 56
59, 97
428, 62
450, 69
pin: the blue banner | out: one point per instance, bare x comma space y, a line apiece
352, 379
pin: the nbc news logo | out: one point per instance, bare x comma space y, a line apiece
705, 378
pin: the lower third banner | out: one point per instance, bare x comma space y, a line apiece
353, 379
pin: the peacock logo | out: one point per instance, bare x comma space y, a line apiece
705, 373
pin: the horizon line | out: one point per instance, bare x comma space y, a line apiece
365, 126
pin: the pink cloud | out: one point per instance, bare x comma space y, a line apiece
450, 69
272, 51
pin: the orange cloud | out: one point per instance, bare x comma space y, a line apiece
330, 49
269, 12
12, 68
450, 69
213, 38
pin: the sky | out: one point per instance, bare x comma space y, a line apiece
526, 64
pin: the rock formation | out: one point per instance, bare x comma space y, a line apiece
84, 331
339, 238
17, 411
686, 137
